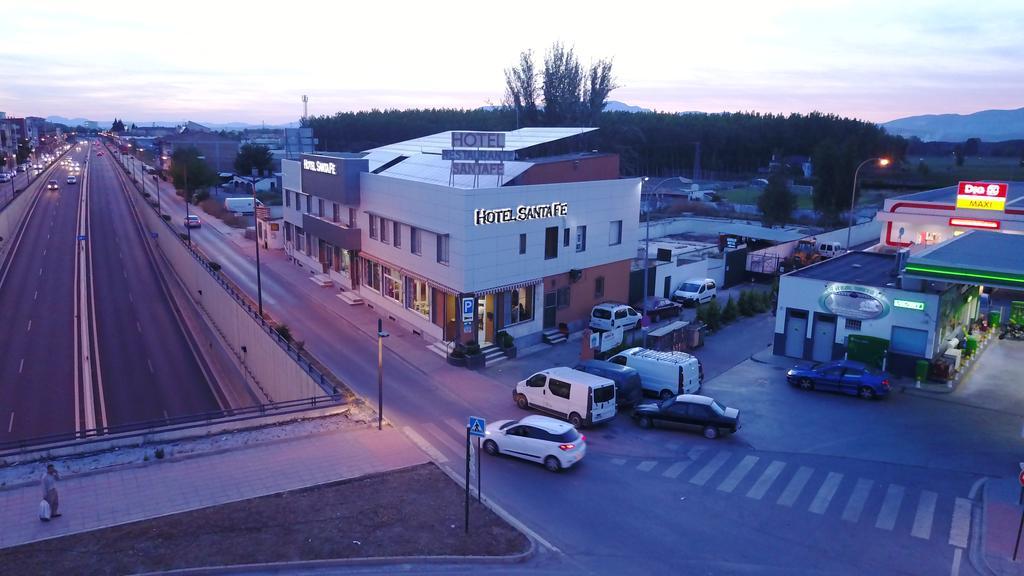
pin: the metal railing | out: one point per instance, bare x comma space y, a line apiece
171, 424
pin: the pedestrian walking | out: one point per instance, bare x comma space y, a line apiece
49, 483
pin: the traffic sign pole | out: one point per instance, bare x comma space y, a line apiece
478, 459
467, 478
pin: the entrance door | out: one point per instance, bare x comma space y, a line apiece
796, 332
824, 337
485, 323
550, 305
667, 293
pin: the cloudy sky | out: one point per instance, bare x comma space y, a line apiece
219, 62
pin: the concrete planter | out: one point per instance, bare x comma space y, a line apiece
476, 361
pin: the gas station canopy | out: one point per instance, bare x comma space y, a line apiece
977, 257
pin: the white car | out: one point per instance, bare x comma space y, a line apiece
551, 442
610, 315
696, 291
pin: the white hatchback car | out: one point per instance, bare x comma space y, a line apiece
551, 442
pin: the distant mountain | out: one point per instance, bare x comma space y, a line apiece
989, 125
72, 122
616, 106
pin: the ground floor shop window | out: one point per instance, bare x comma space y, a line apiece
517, 305
417, 296
392, 283
909, 341
371, 275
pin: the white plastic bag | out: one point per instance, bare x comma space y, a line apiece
44, 510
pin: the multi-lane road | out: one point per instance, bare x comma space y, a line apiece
92, 338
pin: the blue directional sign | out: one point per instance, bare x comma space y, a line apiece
81, 236
477, 426
154, 235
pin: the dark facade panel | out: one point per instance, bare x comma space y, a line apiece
332, 178
335, 234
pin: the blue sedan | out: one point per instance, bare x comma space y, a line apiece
846, 376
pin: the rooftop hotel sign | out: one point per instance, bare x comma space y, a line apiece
321, 167
520, 213
981, 195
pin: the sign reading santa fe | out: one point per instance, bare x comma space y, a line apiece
981, 195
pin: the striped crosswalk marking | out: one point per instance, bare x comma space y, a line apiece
825, 494
674, 470
890, 507
646, 465
618, 461
458, 427
446, 439
855, 505
765, 481
434, 454
737, 474
960, 529
925, 513
705, 474
795, 486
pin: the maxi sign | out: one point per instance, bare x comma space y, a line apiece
520, 213
981, 195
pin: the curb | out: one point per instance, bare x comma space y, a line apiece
976, 553
348, 562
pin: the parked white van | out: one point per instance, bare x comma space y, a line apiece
575, 396
696, 291
664, 374
610, 315
830, 249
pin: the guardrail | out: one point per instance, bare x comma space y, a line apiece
126, 431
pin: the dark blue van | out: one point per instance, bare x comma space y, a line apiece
627, 380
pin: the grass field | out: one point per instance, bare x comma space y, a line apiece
750, 194
944, 171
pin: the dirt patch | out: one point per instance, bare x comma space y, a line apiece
417, 511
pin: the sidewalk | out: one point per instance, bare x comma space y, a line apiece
127, 494
1001, 521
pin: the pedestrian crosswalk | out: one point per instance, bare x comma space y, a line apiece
889, 507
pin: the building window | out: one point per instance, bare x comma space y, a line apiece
373, 226
615, 234
565, 238
320, 207
551, 243
288, 198
599, 287
336, 212
288, 231
442, 248
392, 283
309, 204
300, 240
371, 275
398, 235
852, 324
417, 296
562, 297
351, 217
385, 232
414, 241
581, 238
522, 243
517, 305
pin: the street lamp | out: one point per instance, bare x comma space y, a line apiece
647, 244
255, 220
882, 162
381, 335
188, 199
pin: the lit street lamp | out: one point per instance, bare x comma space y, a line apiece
647, 244
188, 199
882, 162
259, 282
381, 335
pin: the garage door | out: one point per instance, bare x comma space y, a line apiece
824, 337
796, 332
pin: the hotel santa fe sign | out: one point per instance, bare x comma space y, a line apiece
981, 195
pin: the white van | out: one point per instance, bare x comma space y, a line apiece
696, 291
830, 249
664, 374
610, 315
575, 396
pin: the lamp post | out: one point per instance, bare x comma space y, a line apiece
188, 199
882, 162
381, 335
255, 220
647, 245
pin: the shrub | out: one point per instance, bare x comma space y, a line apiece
283, 330
159, 453
714, 313
459, 351
746, 307
731, 311
214, 266
201, 196
504, 339
766, 301
756, 301
472, 348
166, 217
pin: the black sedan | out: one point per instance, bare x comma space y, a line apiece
689, 411
660, 308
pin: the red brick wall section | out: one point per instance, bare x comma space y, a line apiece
584, 169
581, 292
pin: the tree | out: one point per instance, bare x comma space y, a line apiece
971, 146
563, 86
777, 202
190, 173
595, 94
24, 150
521, 90
958, 154
731, 311
252, 156
118, 126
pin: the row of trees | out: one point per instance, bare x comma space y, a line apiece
190, 172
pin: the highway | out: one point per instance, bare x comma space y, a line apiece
92, 339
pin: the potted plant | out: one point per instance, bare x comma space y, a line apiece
475, 359
507, 344
457, 357
563, 328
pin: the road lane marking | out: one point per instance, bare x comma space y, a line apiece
124, 273
130, 299
459, 429
618, 461
166, 417
795, 486
646, 465
21, 366
456, 447
36, 295
709, 469
925, 513
40, 271
10, 425
961, 527
737, 474
44, 251
150, 363
676, 469
424, 445
139, 326
890, 507
828, 490
957, 554
766, 480
855, 505
29, 329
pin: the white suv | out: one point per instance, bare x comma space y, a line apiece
553, 443
608, 316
